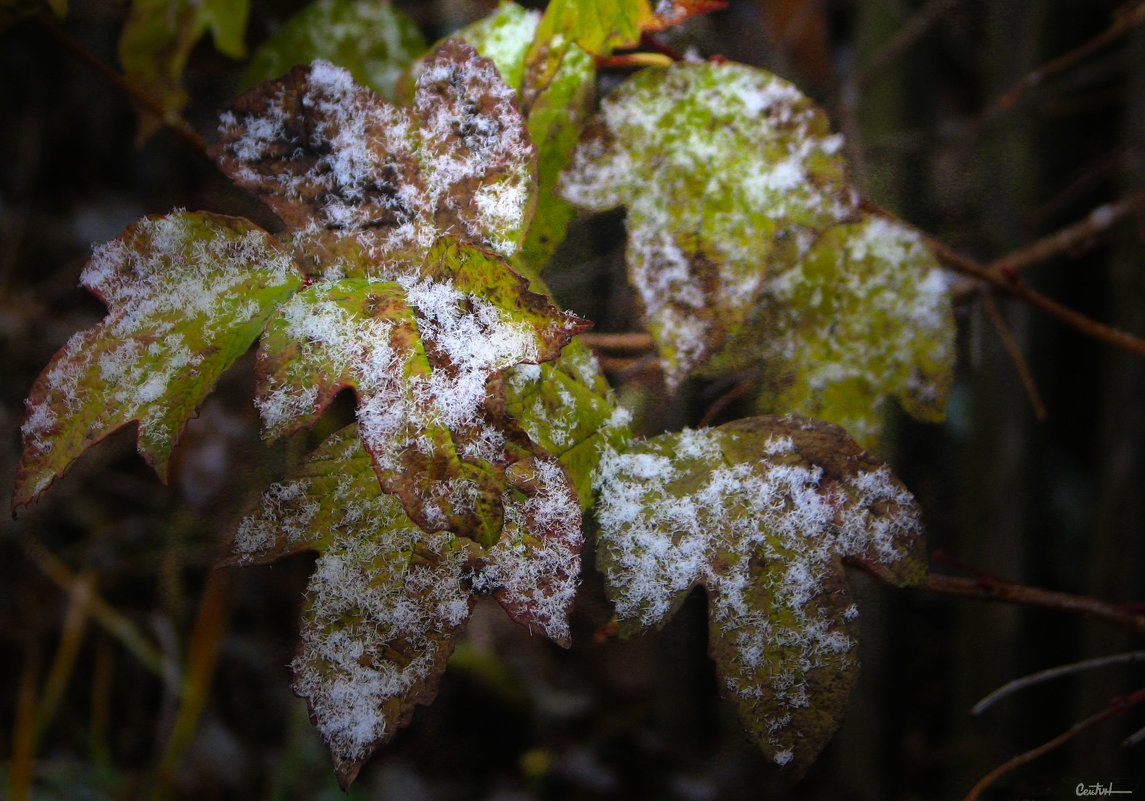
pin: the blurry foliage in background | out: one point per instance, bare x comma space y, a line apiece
136, 670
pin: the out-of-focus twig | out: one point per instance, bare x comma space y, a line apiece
1052, 673
1117, 706
1015, 353
167, 116
1096, 222
914, 29
1125, 18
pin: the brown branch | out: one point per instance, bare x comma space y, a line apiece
1117, 706
1125, 18
907, 35
1015, 353
1013, 285
167, 116
988, 589
1097, 221
634, 342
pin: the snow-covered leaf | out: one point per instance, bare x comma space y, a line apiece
420, 351
333, 158
555, 81
760, 512
373, 40
159, 35
187, 294
864, 315
387, 599
566, 407
725, 170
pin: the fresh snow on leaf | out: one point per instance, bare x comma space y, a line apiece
725, 170
187, 294
420, 351
333, 159
760, 512
387, 599
567, 408
374, 41
864, 315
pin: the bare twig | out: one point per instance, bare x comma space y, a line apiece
1125, 18
1015, 353
1013, 285
167, 116
635, 342
1117, 706
908, 34
987, 589
1096, 222
1052, 673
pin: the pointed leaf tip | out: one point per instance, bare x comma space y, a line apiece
187, 294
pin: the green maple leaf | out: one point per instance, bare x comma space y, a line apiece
159, 35
760, 512
864, 315
187, 294
420, 350
724, 170
334, 160
374, 41
387, 599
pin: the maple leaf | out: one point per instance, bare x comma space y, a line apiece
724, 170
333, 159
374, 41
187, 294
387, 599
864, 315
420, 350
159, 35
761, 512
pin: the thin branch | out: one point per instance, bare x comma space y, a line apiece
1117, 706
1052, 673
1096, 222
1125, 18
985, 589
907, 35
635, 342
1015, 353
1013, 285
167, 116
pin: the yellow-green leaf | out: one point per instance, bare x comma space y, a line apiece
725, 170
373, 40
187, 294
760, 512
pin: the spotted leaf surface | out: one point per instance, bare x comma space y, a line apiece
422, 352
864, 315
725, 171
334, 159
187, 294
761, 513
374, 41
387, 599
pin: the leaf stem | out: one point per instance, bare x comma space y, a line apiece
1015, 353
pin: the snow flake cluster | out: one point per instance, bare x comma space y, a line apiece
332, 158
765, 536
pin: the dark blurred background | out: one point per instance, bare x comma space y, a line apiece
130, 669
